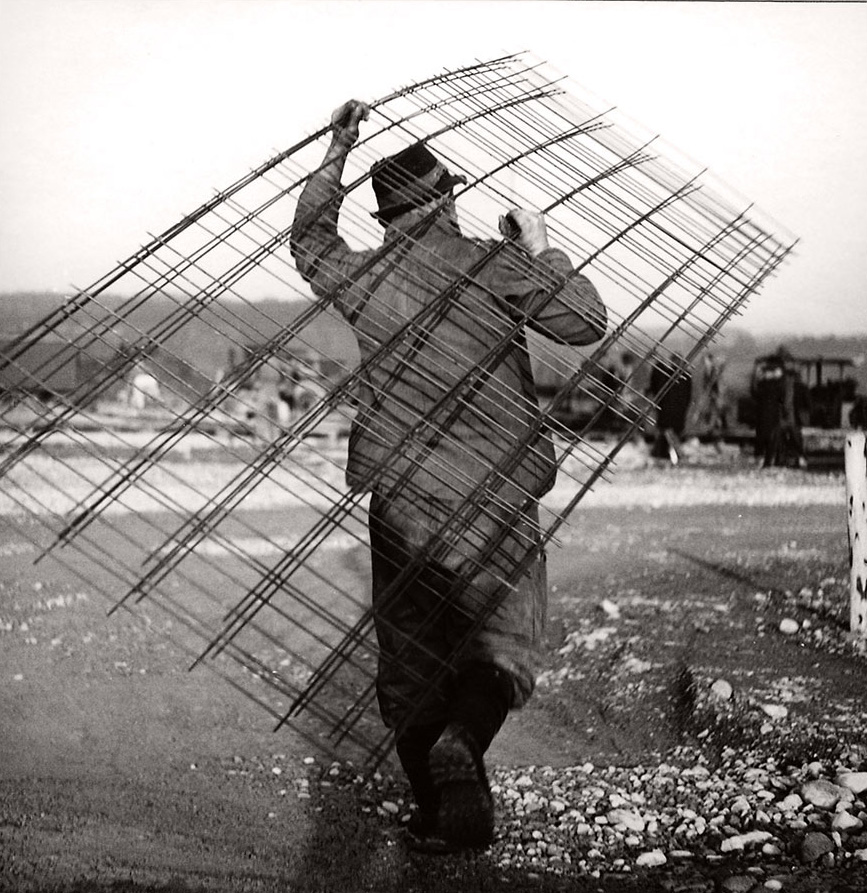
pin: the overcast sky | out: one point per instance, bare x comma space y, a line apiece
119, 116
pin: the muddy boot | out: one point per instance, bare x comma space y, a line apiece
483, 697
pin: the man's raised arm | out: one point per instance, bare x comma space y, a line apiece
314, 229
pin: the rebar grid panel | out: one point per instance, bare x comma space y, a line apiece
257, 554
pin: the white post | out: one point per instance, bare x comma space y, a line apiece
856, 498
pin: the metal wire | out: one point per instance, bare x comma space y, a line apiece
673, 255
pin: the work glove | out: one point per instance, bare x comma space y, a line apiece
526, 229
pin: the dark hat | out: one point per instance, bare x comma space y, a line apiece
409, 180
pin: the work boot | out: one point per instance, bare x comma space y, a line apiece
465, 818
483, 695
423, 835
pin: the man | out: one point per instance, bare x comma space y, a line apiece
714, 411
446, 440
779, 399
673, 407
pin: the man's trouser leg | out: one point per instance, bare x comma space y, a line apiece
478, 690
412, 653
413, 746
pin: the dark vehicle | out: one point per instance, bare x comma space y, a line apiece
826, 402
827, 392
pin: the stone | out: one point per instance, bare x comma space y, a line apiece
815, 845
739, 842
651, 859
775, 711
845, 821
721, 690
788, 626
823, 794
861, 855
738, 883
773, 884
636, 665
610, 609
856, 782
740, 806
632, 821
792, 803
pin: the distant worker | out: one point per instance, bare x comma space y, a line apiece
263, 411
629, 393
778, 429
290, 386
713, 409
627, 406
608, 384
144, 390
673, 406
858, 415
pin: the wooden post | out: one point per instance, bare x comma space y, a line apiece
856, 498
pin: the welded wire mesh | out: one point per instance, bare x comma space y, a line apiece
207, 345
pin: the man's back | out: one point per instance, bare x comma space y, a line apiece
459, 378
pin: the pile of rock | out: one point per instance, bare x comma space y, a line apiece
593, 819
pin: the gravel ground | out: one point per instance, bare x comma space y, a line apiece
763, 815
784, 809
763, 788
595, 821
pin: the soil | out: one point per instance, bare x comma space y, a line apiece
122, 771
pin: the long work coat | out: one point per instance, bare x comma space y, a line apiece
446, 437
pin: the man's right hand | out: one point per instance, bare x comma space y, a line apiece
345, 121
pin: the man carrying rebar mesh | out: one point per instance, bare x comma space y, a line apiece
447, 440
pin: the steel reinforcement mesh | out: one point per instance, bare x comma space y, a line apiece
175, 433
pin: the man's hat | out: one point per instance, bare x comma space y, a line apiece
409, 180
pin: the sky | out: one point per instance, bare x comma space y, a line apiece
120, 116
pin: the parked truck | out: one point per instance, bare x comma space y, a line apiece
826, 400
